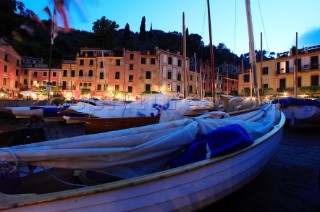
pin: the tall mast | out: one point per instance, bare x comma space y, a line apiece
196, 73
211, 56
295, 76
261, 59
251, 51
185, 89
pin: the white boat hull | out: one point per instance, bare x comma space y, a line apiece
185, 188
306, 113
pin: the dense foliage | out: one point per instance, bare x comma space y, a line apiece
32, 38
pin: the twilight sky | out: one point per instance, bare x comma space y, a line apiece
277, 20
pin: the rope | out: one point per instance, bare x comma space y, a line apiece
6, 167
264, 30
60, 180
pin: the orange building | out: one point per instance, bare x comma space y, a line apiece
10, 66
113, 74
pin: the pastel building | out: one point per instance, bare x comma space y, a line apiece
109, 73
10, 66
276, 76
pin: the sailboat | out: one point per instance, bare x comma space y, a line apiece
184, 165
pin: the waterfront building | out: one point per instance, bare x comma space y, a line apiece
127, 74
276, 76
10, 67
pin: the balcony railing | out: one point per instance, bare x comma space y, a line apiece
86, 78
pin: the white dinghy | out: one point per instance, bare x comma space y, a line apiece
142, 160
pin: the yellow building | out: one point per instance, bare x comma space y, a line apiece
276, 77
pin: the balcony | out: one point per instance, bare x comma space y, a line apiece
86, 78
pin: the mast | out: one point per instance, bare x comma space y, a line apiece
251, 51
211, 56
295, 75
124, 74
185, 89
261, 59
196, 73
104, 73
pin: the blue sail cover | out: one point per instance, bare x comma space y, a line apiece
286, 102
219, 141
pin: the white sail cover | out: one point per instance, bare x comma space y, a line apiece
132, 152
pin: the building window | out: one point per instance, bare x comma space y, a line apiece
5, 68
191, 78
117, 62
17, 72
179, 77
99, 87
65, 73
190, 89
80, 84
148, 74
4, 82
6, 57
178, 88
25, 72
169, 60
101, 75
35, 73
169, 75
73, 73
80, 73
16, 84
131, 67
299, 81
64, 85
246, 78
116, 87
129, 89
91, 63
101, 64
54, 74
179, 63
130, 78
90, 73
25, 82
117, 75
44, 82
54, 83
265, 70
81, 62
265, 85
153, 60
44, 74
131, 56
315, 80
143, 60
148, 87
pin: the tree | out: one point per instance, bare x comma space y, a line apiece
142, 35
8, 6
126, 35
105, 32
150, 34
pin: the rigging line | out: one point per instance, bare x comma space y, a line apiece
202, 30
264, 30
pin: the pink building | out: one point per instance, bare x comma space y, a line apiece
10, 66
